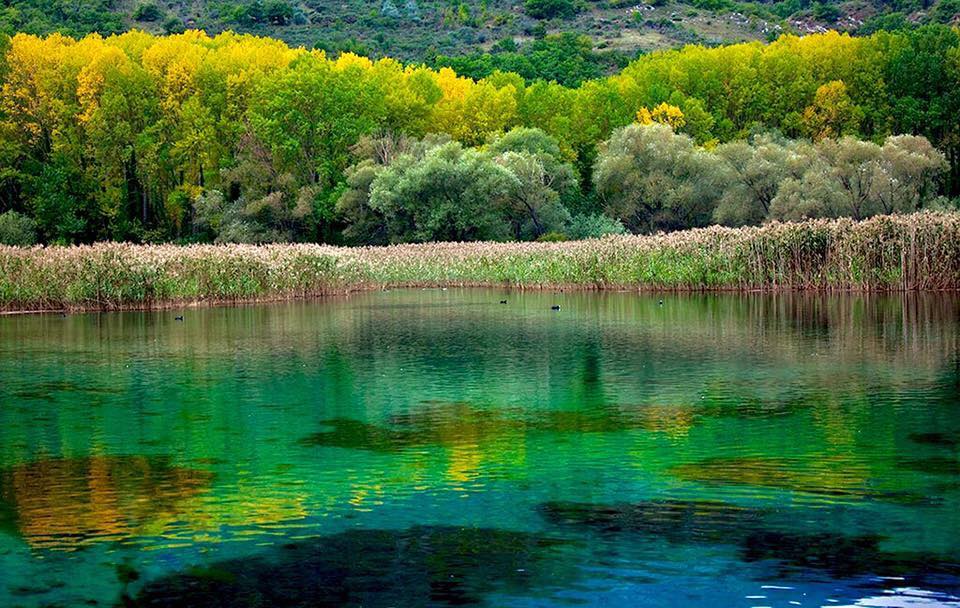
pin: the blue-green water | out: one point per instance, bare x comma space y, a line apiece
430, 447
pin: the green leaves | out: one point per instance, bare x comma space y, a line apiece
451, 194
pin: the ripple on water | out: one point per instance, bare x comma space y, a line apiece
831, 478
760, 536
63, 503
418, 566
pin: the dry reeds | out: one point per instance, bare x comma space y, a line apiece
885, 253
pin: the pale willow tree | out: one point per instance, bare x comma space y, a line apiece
907, 173
755, 171
651, 178
541, 180
853, 178
814, 195
450, 194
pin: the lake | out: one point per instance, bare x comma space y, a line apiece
437, 447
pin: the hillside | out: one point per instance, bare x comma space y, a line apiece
420, 30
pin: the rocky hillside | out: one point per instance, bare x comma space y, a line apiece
420, 30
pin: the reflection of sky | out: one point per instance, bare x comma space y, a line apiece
171, 445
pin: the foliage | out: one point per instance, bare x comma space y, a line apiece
541, 180
651, 178
148, 11
832, 113
17, 229
124, 138
755, 173
450, 194
411, 190
593, 227
549, 9
565, 58
664, 114
858, 179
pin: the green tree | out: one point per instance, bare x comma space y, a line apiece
755, 171
451, 194
534, 203
651, 178
310, 115
58, 199
148, 11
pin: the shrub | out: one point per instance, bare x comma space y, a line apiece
17, 229
173, 25
549, 9
946, 11
826, 12
148, 12
593, 227
552, 237
278, 12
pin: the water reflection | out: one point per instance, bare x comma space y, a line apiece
838, 477
936, 439
760, 535
419, 566
454, 424
68, 502
686, 454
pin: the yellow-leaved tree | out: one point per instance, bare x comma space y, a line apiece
664, 114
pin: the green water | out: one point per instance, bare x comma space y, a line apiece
430, 447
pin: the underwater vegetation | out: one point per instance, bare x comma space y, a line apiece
759, 535
418, 566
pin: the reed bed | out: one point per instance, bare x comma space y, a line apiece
886, 253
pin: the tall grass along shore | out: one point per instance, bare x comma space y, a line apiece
885, 253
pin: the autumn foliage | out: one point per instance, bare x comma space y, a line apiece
128, 137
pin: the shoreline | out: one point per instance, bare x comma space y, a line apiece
884, 254
239, 302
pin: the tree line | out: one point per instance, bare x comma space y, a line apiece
194, 138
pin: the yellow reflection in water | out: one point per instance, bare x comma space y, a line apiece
69, 502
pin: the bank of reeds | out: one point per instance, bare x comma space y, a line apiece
906, 252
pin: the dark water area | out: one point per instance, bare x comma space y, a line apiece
438, 448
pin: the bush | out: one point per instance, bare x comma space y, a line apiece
890, 22
552, 237
173, 25
826, 12
17, 229
278, 12
946, 11
549, 9
593, 227
148, 12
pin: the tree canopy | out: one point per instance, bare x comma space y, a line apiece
145, 138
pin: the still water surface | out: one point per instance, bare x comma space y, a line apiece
431, 447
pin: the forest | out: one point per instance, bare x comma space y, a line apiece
237, 138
